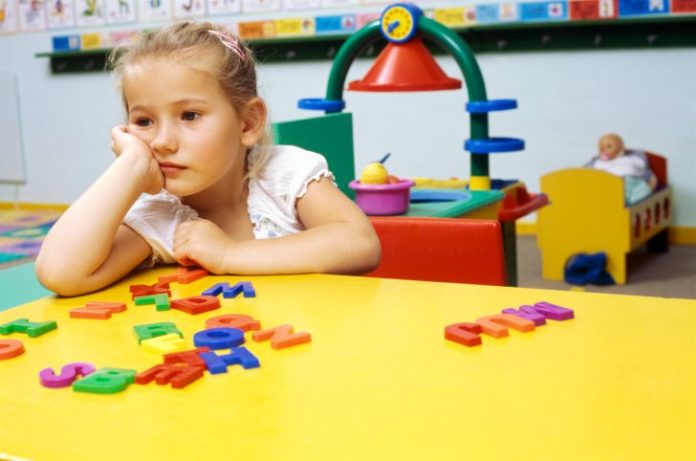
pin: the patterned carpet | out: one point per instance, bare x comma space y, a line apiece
21, 233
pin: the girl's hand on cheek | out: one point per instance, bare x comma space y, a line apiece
202, 243
124, 143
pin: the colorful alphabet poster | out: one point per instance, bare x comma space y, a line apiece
121, 37
32, 15
683, 6
90, 13
492, 13
377, 2
189, 8
337, 24
454, 17
643, 7
260, 6
221, 7
591, 9
8, 16
121, 11
543, 11
60, 14
155, 10
267, 18
301, 4
294, 27
339, 3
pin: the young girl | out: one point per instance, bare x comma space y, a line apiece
221, 197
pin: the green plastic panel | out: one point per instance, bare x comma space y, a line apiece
457, 208
329, 135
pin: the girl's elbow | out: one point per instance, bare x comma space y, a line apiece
374, 255
370, 252
57, 279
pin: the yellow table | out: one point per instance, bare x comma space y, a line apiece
378, 380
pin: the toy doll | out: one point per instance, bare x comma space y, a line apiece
630, 164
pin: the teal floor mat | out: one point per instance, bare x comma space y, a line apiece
18, 285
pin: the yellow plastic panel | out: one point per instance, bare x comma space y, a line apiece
586, 215
377, 381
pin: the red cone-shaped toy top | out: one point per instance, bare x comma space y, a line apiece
405, 66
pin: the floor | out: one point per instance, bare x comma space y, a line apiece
671, 274
21, 234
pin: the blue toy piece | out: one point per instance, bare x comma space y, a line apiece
493, 105
584, 268
216, 289
219, 338
493, 145
231, 291
327, 105
238, 356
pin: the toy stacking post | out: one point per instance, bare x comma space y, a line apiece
406, 65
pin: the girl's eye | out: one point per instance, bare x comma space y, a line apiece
189, 116
142, 122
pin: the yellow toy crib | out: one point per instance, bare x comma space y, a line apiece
588, 214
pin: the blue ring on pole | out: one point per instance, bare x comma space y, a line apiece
493, 145
482, 107
327, 105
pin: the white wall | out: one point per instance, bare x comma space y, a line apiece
567, 100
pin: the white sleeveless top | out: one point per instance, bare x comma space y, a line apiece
271, 203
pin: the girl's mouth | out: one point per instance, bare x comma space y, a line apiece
171, 169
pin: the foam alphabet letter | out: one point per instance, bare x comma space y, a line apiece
527, 312
496, 325
152, 330
68, 374
144, 290
196, 304
553, 312
105, 381
282, 336
178, 374
10, 348
464, 333
241, 321
219, 338
237, 356
97, 310
32, 329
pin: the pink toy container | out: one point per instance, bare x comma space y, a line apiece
383, 199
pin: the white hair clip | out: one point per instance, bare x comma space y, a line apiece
230, 41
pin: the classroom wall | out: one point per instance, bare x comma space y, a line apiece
566, 101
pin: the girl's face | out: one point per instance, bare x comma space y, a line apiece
194, 132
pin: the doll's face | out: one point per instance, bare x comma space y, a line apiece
610, 146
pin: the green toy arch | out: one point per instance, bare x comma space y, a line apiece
445, 38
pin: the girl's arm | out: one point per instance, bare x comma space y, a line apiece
338, 239
88, 248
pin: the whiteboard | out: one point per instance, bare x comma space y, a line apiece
11, 159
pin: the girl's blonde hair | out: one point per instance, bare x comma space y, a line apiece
232, 65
